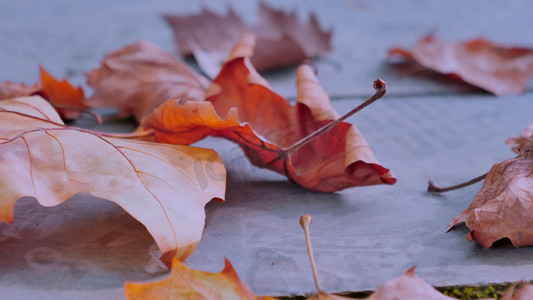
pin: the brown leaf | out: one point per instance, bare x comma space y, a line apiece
501, 209
185, 283
139, 77
14, 90
497, 69
61, 94
407, 286
525, 139
241, 107
281, 40
165, 187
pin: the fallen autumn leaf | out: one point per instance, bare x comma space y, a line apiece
497, 69
501, 208
165, 187
139, 77
241, 107
281, 39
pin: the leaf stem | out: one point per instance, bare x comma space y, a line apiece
381, 89
84, 110
436, 189
305, 221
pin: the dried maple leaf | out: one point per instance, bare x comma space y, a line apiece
139, 77
68, 100
282, 40
494, 68
524, 140
165, 187
501, 208
185, 283
241, 107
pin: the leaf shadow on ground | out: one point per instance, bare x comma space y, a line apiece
84, 243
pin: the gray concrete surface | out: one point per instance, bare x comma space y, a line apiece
425, 128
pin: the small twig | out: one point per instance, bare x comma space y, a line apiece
305, 221
381, 89
436, 189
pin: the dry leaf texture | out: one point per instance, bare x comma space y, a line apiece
139, 77
502, 209
165, 187
282, 39
520, 143
241, 107
185, 283
494, 68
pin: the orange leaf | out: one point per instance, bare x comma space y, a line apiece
139, 77
241, 107
165, 187
494, 68
62, 95
281, 39
502, 207
185, 283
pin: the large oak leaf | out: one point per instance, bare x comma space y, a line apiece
241, 107
185, 283
139, 77
494, 68
502, 208
165, 187
282, 40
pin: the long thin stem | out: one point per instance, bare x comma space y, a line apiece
305, 221
381, 89
436, 189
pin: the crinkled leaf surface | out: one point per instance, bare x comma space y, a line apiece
139, 77
502, 209
165, 187
185, 283
282, 39
241, 107
497, 69
519, 143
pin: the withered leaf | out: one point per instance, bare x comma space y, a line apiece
241, 107
525, 139
165, 187
281, 39
14, 90
497, 69
139, 77
61, 94
502, 207
186, 283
